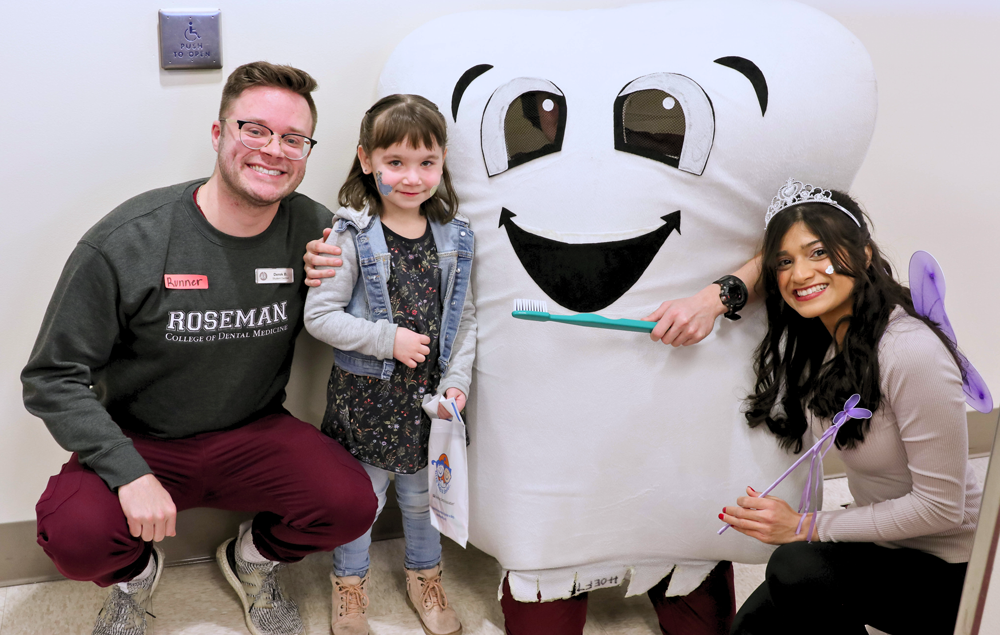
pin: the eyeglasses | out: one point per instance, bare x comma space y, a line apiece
256, 136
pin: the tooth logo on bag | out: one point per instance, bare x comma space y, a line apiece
442, 473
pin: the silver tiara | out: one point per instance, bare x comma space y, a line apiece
794, 193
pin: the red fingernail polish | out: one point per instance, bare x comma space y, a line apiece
752, 489
721, 517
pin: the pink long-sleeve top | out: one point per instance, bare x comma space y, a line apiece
910, 477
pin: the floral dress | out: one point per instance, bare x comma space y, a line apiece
382, 421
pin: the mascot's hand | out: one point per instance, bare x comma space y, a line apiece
688, 320
410, 348
314, 258
459, 397
769, 519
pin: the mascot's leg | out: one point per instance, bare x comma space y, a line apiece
558, 617
708, 610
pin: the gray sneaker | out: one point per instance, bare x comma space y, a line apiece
265, 608
124, 612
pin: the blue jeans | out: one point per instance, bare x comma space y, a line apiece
423, 542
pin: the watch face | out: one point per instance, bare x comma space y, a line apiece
732, 293
736, 293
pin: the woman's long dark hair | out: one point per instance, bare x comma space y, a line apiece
409, 119
789, 363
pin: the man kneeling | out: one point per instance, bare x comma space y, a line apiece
162, 362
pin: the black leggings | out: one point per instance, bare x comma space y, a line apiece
837, 588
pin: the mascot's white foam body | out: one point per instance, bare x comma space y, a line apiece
597, 453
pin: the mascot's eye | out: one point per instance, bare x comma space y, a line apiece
534, 126
525, 119
667, 118
652, 120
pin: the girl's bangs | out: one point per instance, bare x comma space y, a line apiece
407, 126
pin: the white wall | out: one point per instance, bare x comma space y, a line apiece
91, 120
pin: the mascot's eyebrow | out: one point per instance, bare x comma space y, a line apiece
463, 82
751, 72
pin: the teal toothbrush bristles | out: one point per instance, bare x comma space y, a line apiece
535, 310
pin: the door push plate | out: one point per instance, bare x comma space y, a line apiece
190, 39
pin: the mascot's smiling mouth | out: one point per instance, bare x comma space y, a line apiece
586, 277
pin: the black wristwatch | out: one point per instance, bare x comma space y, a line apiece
733, 295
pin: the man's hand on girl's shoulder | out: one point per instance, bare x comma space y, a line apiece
316, 256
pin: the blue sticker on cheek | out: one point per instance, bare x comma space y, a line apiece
386, 190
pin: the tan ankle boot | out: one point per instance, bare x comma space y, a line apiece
427, 597
350, 600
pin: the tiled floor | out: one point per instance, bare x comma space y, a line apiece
196, 600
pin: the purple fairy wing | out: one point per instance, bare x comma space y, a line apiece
927, 289
977, 394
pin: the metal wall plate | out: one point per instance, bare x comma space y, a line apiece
190, 39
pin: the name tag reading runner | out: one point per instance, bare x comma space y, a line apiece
185, 281
274, 276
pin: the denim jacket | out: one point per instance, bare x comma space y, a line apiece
352, 313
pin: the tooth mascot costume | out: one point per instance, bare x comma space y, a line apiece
609, 160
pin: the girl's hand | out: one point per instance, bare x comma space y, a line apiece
410, 348
459, 396
317, 255
688, 320
769, 519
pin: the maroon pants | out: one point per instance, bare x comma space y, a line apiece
311, 495
708, 610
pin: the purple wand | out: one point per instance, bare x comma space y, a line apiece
816, 453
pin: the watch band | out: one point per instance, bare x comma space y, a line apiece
733, 295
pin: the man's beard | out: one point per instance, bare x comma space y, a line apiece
233, 182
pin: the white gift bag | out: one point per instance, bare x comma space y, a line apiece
448, 473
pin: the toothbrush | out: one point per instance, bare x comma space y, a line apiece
538, 311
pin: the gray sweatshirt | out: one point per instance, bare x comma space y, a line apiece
160, 325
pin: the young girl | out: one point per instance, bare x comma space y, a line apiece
839, 324
400, 317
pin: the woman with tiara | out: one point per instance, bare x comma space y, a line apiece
839, 324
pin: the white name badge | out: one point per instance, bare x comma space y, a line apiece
274, 276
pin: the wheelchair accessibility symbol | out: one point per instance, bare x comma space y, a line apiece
190, 34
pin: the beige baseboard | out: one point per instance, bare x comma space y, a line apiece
200, 531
